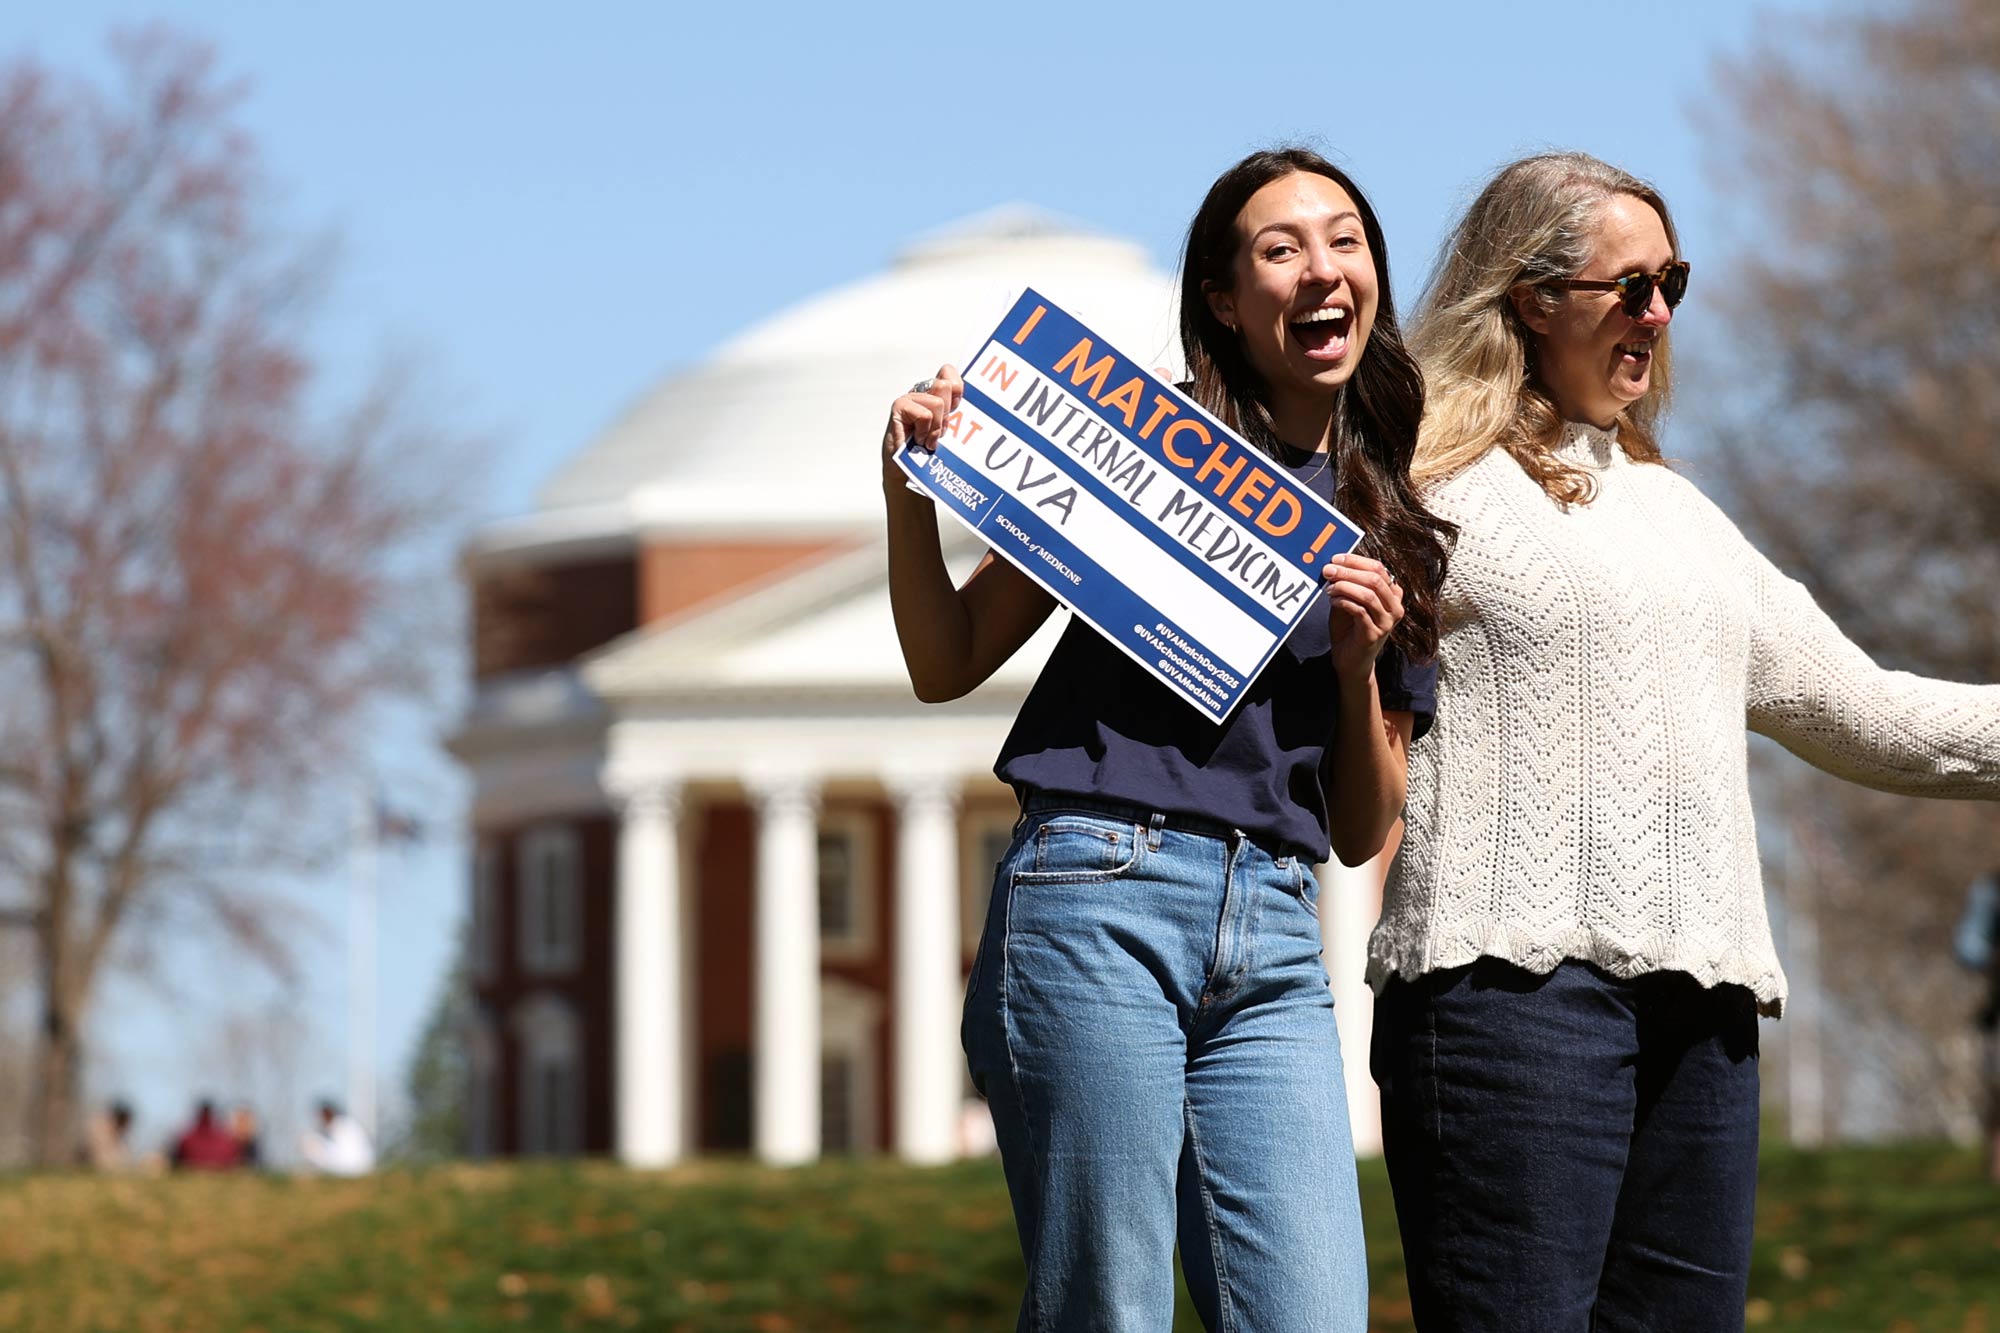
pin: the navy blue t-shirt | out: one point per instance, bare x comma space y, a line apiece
1097, 725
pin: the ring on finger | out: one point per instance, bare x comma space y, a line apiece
924, 385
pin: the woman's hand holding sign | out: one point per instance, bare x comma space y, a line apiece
953, 638
918, 417
1366, 605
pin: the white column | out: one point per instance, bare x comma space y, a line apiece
652, 1047
785, 1001
929, 984
1350, 901
687, 1001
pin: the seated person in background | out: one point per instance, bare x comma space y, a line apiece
339, 1146
106, 1145
206, 1145
243, 1128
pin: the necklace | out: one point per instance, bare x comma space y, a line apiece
1287, 452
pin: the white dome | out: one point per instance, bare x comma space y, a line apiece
780, 427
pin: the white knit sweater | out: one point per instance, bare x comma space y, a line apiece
1585, 792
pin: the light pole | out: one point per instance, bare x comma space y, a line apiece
363, 858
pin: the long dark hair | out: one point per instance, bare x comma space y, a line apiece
1375, 416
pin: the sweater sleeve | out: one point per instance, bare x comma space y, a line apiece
1817, 694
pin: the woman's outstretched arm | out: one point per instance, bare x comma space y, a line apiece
1816, 693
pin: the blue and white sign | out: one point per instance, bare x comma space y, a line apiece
1183, 545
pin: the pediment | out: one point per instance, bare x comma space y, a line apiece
824, 629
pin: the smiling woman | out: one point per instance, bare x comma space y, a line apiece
1573, 952
1596, 350
1302, 293
1148, 1016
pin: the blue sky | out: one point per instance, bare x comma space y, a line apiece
552, 208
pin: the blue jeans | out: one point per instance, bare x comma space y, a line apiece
1570, 1152
1150, 1022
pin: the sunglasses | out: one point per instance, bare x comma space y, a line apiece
1635, 291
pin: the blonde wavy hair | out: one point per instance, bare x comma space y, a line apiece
1533, 224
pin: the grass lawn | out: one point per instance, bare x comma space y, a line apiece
1904, 1238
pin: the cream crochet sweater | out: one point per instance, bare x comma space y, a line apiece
1585, 791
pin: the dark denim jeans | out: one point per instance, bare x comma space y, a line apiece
1150, 1022
1570, 1151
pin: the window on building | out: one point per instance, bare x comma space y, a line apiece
850, 1024
551, 1099
551, 1076
847, 886
839, 1124
549, 923
485, 942
725, 1091
988, 834
482, 1119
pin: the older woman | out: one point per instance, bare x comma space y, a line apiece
1573, 951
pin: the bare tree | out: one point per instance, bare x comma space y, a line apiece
1861, 445
15, 971
1876, 879
1872, 319
198, 578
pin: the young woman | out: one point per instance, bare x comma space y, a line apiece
1148, 1016
1573, 950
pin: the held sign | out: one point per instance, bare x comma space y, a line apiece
1189, 549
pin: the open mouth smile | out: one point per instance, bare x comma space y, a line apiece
1322, 334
